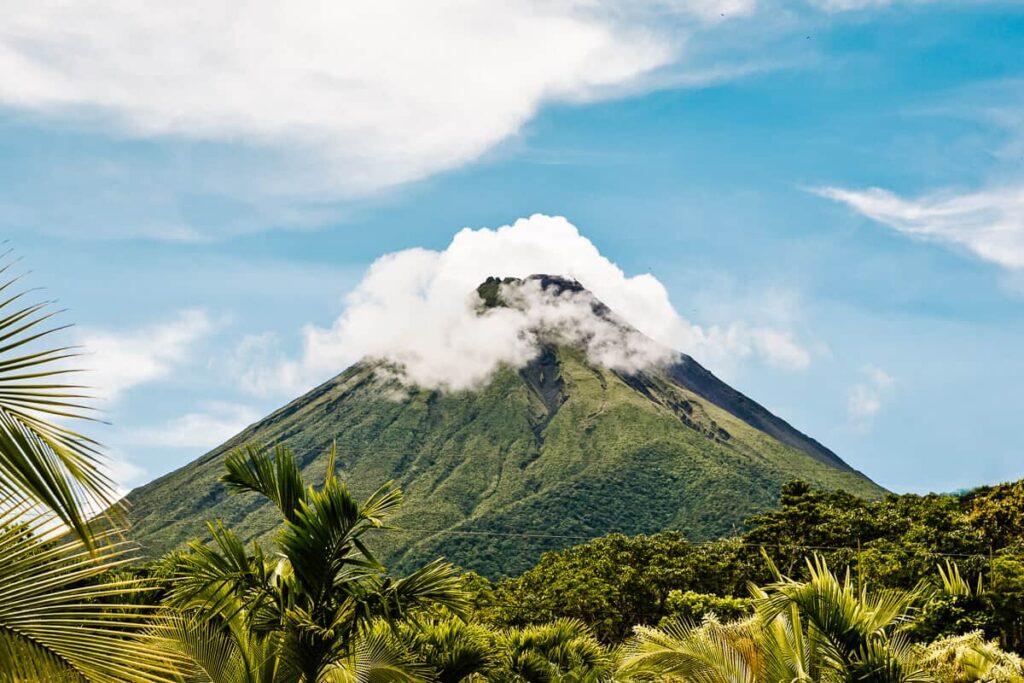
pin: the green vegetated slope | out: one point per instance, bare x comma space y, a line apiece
562, 449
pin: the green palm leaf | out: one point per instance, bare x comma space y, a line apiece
708, 653
562, 650
217, 652
453, 649
378, 656
52, 466
58, 619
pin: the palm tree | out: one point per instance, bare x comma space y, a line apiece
456, 652
312, 606
563, 651
57, 617
453, 649
857, 633
712, 652
215, 651
822, 629
969, 657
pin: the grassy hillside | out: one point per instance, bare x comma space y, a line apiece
561, 448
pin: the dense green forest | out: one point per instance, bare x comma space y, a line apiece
830, 587
903, 588
616, 582
900, 541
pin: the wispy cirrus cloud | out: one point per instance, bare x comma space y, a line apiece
988, 223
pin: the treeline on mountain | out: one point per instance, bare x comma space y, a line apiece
901, 541
928, 588
614, 583
316, 606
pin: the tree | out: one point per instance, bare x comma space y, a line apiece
312, 606
562, 651
968, 658
616, 582
693, 606
453, 649
891, 542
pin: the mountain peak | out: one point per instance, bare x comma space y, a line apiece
556, 285
585, 424
564, 445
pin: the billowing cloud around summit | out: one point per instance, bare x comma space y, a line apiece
418, 308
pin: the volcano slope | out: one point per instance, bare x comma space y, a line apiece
540, 458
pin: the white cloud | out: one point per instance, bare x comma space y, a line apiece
853, 5
417, 308
121, 359
868, 396
212, 424
989, 223
377, 93
848, 5
777, 347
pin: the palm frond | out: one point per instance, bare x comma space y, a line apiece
213, 651
222, 578
434, 585
49, 464
252, 468
969, 657
56, 614
953, 583
377, 657
452, 648
705, 653
322, 541
563, 649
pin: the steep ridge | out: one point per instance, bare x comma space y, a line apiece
695, 377
541, 457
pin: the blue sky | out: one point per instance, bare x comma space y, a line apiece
843, 178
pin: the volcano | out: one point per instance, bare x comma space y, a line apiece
564, 448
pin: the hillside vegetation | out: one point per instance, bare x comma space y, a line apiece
898, 542
762, 607
562, 446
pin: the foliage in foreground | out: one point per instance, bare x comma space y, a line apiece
61, 617
310, 610
43, 462
824, 630
322, 609
58, 620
